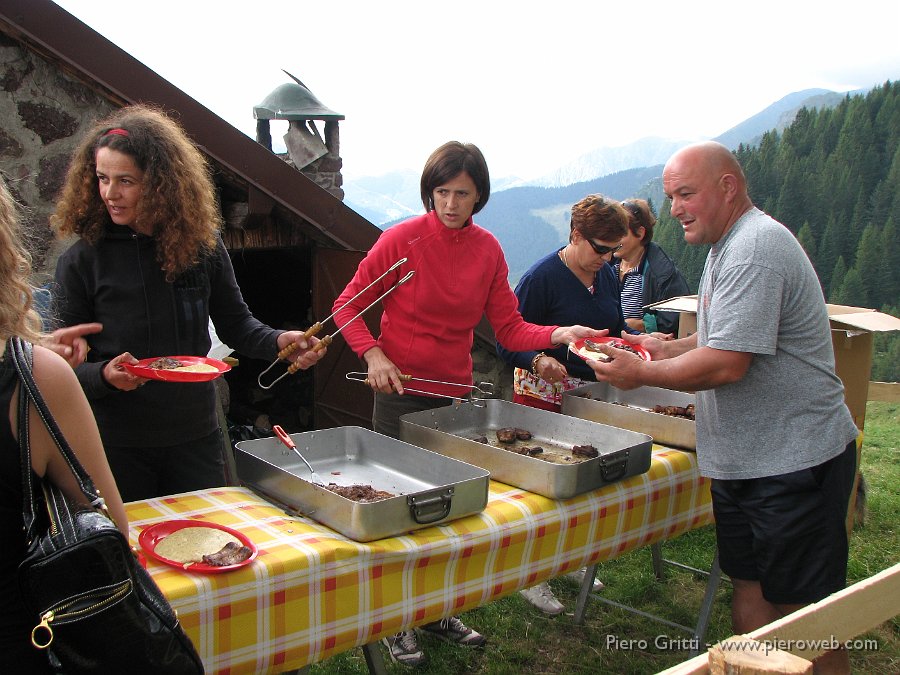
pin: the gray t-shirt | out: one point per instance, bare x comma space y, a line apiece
760, 294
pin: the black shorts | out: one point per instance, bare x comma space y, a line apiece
789, 531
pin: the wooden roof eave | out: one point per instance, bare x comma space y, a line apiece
52, 32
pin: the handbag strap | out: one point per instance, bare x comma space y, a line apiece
22, 356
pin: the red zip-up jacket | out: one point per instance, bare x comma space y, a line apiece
428, 323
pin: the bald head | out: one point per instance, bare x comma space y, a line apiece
711, 159
708, 191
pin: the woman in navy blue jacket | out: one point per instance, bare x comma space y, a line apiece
575, 285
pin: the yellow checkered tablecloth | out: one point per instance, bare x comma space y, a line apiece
312, 593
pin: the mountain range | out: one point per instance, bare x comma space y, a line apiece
540, 206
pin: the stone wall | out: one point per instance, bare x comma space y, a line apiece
44, 114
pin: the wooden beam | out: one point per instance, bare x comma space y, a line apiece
838, 618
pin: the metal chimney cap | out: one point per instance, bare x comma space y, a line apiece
293, 101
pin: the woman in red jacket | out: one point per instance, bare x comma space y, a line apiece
427, 324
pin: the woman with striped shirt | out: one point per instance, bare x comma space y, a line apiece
646, 274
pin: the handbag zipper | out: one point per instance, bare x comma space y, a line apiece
59, 613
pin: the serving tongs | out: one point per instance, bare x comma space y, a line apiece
484, 389
316, 327
285, 438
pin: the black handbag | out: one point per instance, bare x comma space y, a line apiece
95, 608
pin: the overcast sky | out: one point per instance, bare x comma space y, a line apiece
533, 83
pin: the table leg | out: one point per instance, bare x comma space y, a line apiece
709, 595
584, 592
373, 659
657, 556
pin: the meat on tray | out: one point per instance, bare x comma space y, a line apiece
506, 435
359, 493
514, 440
686, 412
524, 450
230, 554
512, 434
588, 451
676, 411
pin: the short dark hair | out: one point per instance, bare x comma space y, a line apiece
640, 215
447, 162
599, 217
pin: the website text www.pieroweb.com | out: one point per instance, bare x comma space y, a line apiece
669, 643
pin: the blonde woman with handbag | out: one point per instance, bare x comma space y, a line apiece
70, 408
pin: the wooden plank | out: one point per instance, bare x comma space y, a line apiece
884, 391
840, 617
743, 656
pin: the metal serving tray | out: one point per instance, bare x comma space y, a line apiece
451, 430
598, 402
429, 488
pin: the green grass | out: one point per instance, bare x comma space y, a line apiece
521, 639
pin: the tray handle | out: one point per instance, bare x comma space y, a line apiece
419, 506
614, 466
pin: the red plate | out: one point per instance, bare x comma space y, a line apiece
151, 536
141, 369
579, 344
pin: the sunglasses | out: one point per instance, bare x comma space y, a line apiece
602, 250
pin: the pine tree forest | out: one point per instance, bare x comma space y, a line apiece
833, 178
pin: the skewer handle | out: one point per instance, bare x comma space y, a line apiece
292, 347
321, 344
403, 378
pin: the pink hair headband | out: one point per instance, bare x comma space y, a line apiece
117, 132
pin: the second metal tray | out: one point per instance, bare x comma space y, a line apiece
450, 430
632, 409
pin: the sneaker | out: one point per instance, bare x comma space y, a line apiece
542, 597
454, 630
404, 648
578, 577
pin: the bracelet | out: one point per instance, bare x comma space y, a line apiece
534, 361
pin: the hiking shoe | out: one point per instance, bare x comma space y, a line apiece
542, 597
454, 630
579, 578
404, 648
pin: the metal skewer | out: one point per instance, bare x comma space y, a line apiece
486, 389
318, 325
325, 341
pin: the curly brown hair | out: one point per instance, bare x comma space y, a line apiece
178, 199
16, 314
599, 217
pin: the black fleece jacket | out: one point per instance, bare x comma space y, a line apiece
662, 281
119, 283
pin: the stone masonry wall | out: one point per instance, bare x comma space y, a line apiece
44, 114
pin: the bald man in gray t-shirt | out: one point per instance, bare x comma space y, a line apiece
773, 430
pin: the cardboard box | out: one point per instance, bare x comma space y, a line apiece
686, 306
851, 337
